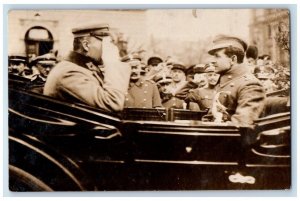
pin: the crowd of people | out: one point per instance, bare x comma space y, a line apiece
232, 84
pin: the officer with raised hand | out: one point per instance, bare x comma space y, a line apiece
79, 78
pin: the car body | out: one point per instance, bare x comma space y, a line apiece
60, 146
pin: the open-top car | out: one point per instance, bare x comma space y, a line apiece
60, 146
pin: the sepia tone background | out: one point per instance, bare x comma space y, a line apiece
180, 33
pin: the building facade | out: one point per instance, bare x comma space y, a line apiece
264, 29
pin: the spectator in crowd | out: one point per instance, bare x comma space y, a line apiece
203, 96
251, 57
177, 88
178, 77
141, 93
163, 82
79, 79
246, 95
17, 65
42, 65
266, 74
154, 66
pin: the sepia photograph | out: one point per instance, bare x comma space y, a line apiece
149, 99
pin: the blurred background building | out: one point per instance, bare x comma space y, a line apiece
183, 33
264, 30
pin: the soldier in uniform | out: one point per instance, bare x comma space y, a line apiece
178, 88
251, 57
17, 65
41, 66
266, 74
79, 78
246, 95
204, 96
141, 93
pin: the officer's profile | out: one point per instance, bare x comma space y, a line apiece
79, 77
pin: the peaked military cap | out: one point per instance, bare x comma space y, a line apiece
179, 66
199, 68
190, 70
45, 59
18, 58
154, 61
223, 41
162, 79
91, 30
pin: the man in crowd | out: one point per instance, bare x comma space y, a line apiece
17, 65
246, 95
266, 74
141, 93
203, 96
177, 87
79, 79
42, 65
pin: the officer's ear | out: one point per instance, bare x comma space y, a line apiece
234, 59
85, 44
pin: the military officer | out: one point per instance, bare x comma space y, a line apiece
79, 78
246, 95
17, 65
42, 65
141, 93
204, 96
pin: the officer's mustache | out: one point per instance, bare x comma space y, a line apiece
134, 74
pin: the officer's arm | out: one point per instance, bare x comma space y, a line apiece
110, 96
183, 92
250, 104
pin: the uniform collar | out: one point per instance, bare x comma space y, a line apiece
85, 62
235, 72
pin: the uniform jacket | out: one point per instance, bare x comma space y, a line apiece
78, 79
246, 95
143, 94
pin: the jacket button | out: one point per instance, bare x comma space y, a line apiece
229, 76
145, 92
232, 84
144, 99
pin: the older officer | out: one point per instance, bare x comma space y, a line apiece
246, 96
141, 93
79, 78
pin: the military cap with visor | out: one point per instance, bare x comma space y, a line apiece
96, 30
154, 61
223, 41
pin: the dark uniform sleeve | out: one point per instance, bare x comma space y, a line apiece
157, 102
183, 92
250, 103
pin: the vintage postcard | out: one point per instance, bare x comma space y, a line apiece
149, 99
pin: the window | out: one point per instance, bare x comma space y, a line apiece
38, 41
